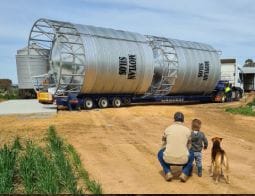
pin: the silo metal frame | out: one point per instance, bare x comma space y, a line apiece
170, 63
47, 33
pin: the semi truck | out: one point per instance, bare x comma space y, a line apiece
231, 74
104, 67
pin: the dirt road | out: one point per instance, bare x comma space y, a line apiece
119, 146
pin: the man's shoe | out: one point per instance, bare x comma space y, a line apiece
183, 177
168, 176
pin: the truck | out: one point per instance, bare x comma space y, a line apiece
104, 67
231, 74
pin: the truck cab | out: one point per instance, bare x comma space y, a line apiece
230, 75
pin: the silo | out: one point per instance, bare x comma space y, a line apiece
95, 60
29, 65
183, 67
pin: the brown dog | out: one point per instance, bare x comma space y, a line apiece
220, 165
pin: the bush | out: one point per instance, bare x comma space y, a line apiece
9, 95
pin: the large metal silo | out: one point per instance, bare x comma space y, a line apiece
95, 60
183, 67
34, 64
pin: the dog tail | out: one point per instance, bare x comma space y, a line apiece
222, 156
224, 160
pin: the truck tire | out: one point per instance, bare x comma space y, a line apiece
220, 97
223, 99
237, 95
88, 103
103, 102
116, 102
126, 101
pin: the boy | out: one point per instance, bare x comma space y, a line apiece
198, 142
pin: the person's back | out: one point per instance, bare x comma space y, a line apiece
175, 150
198, 142
177, 137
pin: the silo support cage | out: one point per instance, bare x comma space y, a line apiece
65, 37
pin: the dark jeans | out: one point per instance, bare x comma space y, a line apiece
229, 96
187, 168
73, 106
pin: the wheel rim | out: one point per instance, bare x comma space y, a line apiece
88, 103
238, 95
117, 102
127, 101
103, 103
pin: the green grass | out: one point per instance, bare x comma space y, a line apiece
53, 169
63, 167
91, 185
243, 110
37, 171
8, 157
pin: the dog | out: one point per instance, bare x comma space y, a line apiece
220, 162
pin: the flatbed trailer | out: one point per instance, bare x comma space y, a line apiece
89, 101
125, 100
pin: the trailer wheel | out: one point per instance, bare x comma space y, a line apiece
237, 95
103, 102
88, 103
223, 99
127, 101
116, 102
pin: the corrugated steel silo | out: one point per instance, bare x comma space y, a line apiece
34, 64
95, 60
183, 67
91, 59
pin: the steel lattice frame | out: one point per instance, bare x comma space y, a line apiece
170, 62
63, 35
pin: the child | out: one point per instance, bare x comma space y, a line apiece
198, 142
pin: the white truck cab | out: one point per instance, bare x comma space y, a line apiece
231, 72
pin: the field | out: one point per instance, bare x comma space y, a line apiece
48, 167
118, 147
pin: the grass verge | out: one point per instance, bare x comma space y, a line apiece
247, 110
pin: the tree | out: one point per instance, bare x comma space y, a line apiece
5, 84
249, 63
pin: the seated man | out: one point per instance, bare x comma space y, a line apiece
175, 150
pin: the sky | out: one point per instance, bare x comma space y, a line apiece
227, 25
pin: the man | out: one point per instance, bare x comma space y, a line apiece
73, 102
175, 149
228, 92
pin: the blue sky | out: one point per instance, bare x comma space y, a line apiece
227, 25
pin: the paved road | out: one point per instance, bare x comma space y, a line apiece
26, 106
